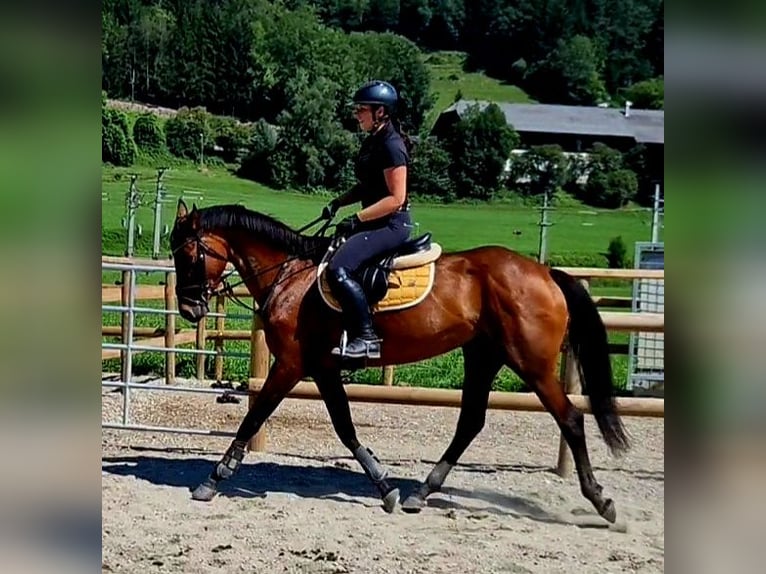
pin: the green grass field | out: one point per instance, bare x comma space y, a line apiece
576, 229
448, 78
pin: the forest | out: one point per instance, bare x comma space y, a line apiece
268, 82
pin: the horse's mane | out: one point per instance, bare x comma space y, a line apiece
266, 227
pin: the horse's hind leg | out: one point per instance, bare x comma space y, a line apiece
571, 422
336, 401
482, 361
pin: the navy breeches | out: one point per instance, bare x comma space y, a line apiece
366, 244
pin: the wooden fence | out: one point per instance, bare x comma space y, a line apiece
169, 337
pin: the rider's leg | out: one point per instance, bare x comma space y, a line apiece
350, 256
363, 340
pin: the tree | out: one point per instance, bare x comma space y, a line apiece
571, 74
479, 146
429, 171
307, 134
540, 170
398, 61
383, 15
647, 94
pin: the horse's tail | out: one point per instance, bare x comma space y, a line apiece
588, 340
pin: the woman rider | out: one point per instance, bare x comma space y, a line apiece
382, 224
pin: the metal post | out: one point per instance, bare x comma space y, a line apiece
656, 214
132, 205
158, 215
129, 352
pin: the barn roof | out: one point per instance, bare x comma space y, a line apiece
645, 126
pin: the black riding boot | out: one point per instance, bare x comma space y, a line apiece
364, 342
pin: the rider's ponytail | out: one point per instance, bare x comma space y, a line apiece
408, 143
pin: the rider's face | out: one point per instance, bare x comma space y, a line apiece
363, 115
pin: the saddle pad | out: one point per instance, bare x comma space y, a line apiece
406, 288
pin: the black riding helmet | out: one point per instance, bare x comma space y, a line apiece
377, 93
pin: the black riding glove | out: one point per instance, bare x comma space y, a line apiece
348, 225
330, 209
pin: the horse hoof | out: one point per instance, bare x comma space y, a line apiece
413, 504
389, 500
205, 491
609, 511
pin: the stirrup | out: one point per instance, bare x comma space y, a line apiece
371, 348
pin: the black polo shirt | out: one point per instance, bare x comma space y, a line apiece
379, 151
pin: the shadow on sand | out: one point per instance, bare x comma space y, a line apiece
336, 483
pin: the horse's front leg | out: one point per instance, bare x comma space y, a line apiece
336, 401
281, 379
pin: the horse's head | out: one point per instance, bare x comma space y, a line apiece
200, 258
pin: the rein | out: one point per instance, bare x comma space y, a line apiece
227, 289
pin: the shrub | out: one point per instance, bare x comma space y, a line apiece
575, 259
609, 184
149, 135
188, 132
232, 137
255, 164
117, 145
647, 94
617, 253
612, 189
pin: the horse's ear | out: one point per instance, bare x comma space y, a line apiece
182, 209
194, 217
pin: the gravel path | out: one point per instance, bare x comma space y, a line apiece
305, 505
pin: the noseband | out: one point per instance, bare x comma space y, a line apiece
187, 294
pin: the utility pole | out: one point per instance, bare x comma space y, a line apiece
158, 213
544, 224
131, 206
656, 214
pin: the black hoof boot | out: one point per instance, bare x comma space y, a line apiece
390, 499
206, 491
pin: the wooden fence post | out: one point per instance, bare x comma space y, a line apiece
220, 308
200, 343
388, 375
259, 368
170, 328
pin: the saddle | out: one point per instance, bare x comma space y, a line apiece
398, 279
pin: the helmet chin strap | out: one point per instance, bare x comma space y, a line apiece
377, 124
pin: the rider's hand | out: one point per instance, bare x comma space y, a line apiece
348, 225
330, 209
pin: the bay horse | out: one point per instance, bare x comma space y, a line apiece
500, 307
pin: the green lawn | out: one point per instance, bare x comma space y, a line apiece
575, 229
448, 77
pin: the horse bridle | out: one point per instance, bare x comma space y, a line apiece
201, 284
